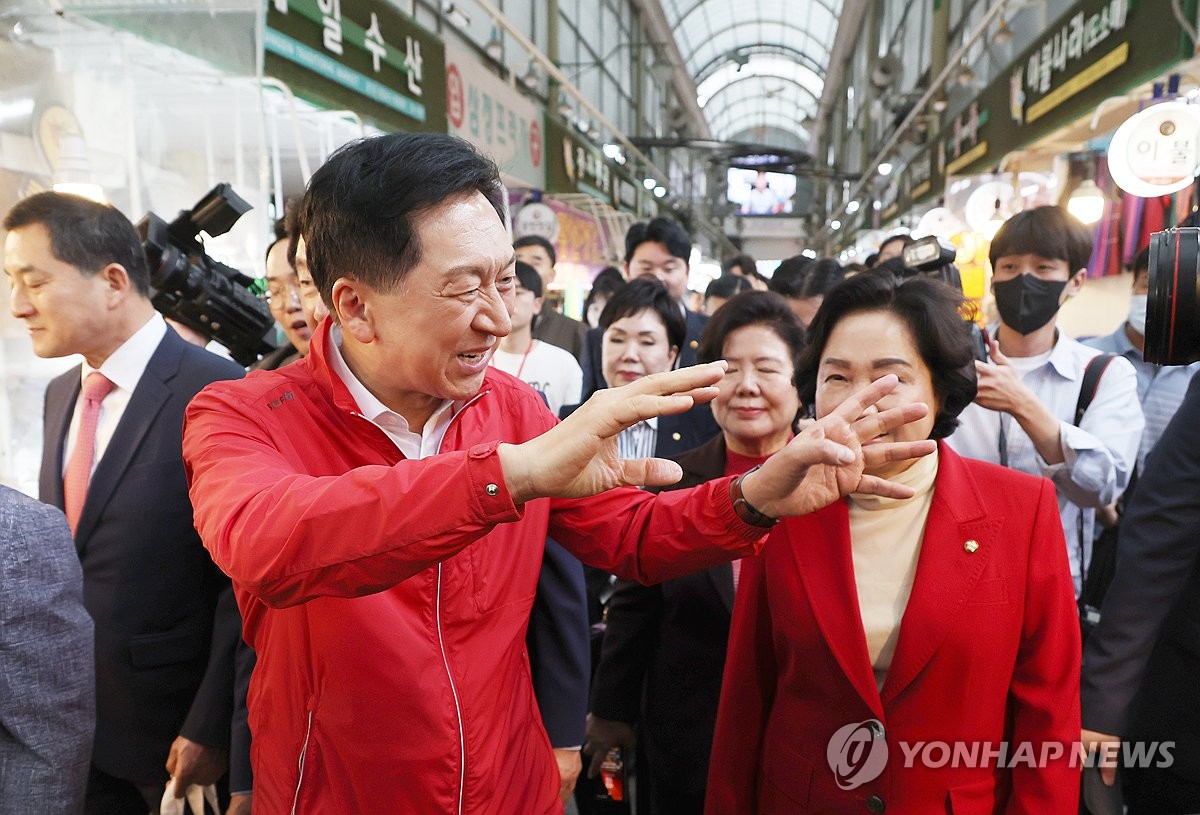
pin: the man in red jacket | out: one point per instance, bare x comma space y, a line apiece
382, 506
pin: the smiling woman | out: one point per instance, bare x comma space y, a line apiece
948, 613
653, 631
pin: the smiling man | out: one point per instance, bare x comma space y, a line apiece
111, 461
386, 566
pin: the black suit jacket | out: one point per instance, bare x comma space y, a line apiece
558, 329
664, 653
163, 655
593, 372
560, 660
1142, 660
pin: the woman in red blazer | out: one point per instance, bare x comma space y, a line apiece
917, 656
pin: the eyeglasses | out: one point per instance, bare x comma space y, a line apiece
279, 290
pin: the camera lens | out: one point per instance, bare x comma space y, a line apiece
1173, 305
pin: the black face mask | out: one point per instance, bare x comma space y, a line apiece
1026, 303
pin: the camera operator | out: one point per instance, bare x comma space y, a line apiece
1024, 414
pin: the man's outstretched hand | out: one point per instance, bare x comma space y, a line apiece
826, 461
579, 456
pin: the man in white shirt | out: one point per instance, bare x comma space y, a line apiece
164, 615
548, 369
1024, 414
551, 325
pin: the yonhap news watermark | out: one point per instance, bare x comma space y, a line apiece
858, 753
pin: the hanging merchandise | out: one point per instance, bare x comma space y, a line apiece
1157, 151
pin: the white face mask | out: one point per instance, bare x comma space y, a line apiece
1137, 314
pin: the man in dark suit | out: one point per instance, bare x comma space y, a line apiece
550, 326
47, 679
659, 248
112, 460
1142, 659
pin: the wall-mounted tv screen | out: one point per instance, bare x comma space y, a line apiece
758, 192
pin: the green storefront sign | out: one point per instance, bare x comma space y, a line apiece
574, 164
360, 55
917, 182
1098, 49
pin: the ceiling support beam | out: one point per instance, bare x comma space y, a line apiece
844, 44
685, 86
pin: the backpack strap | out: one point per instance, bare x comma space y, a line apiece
1091, 383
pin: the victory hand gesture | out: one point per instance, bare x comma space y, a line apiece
830, 457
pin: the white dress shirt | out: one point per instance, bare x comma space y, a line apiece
1098, 455
414, 446
124, 368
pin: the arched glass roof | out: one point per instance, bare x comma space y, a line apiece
758, 66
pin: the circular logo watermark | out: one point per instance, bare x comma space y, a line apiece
857, 753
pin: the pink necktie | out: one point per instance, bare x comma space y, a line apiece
79, 467
737, 573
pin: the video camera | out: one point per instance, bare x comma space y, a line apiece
933, 257
193, 289
1173, 304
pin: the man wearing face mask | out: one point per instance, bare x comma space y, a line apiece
1024, 414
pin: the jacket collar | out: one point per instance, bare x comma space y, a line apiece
945, 578
324, 374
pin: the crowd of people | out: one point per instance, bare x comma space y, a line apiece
450, 550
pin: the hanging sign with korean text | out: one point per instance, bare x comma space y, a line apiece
495, 117
359, 55
1097, 49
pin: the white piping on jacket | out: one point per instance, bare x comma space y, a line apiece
300, 763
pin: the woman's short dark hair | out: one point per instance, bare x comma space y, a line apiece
765, 308
85, 234
646, 293
1049, 231
357, 215
932, 312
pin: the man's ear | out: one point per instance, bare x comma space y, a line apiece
352, 308
118, 286
1075, 284
537, 305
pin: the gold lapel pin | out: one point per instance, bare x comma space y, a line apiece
972, 546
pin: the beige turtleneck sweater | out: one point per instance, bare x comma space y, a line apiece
885, 541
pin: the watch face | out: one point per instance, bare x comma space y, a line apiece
55, 126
